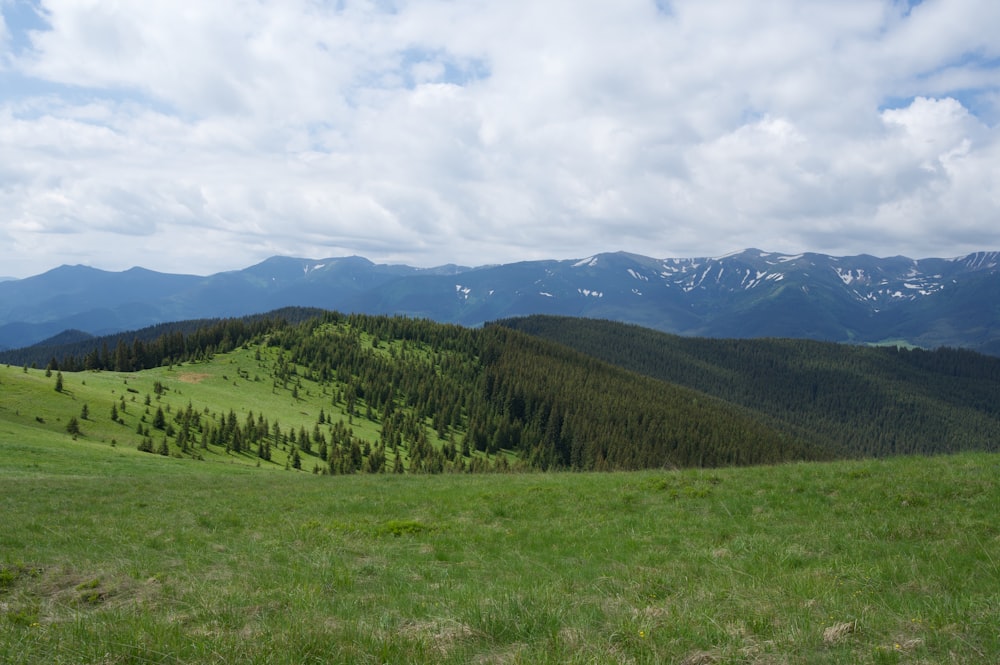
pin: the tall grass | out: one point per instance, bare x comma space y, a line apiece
112, 556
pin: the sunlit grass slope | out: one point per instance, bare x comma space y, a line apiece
239, 382
108, 555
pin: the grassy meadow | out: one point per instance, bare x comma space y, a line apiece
240, 382
110, 555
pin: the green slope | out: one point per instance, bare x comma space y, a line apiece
112, 556
851, 399
347, 394
344, 394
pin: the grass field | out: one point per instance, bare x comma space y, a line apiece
108, 555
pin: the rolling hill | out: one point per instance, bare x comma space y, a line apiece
377, 393
870, 400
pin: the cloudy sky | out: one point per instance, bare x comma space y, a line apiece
194, 136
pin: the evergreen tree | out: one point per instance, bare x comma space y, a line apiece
159, 420
376, 461
59, 382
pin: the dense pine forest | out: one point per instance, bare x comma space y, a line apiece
546, 393
858, 400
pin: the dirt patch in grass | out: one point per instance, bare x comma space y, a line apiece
52, 594
192, 377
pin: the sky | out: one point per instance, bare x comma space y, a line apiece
195, 137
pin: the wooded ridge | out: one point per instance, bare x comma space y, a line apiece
566, 393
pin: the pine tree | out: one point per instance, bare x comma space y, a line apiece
159, 420
59, 382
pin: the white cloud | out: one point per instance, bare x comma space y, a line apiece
4, 35
482, 131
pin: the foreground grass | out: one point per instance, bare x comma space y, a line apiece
110, 556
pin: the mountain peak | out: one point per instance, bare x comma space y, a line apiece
749, 293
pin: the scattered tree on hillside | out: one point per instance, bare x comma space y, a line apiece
159, 420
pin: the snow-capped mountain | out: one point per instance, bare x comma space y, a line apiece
752, 293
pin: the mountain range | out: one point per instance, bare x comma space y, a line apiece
858, 299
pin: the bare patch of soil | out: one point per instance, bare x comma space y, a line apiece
192, 377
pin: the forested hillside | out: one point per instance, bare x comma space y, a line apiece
152, 346
344, 394
499, 390
867, 400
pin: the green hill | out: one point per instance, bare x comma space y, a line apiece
113, 553
338, 394
854, 400
330, 393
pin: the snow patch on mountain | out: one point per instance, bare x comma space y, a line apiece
850, 276
636, 275
979, 260
749, 282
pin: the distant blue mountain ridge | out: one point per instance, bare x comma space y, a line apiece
857, 299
